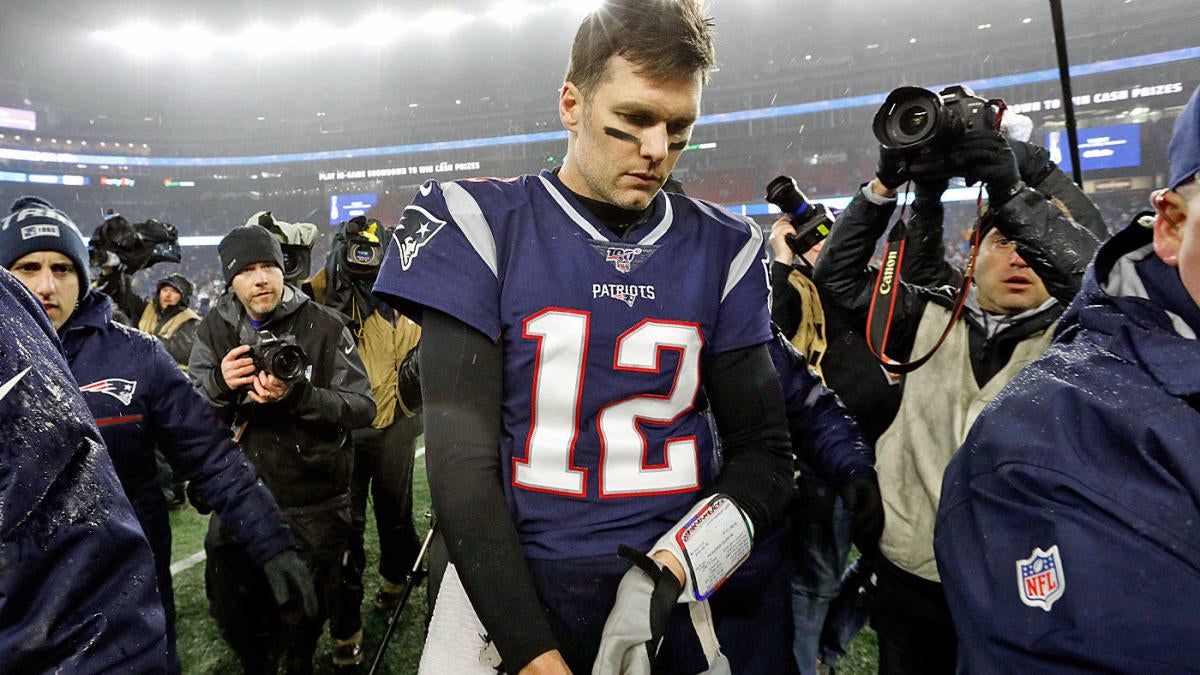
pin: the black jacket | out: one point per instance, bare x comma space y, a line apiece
300, 445
1054, 246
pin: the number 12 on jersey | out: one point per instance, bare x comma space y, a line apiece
562, 337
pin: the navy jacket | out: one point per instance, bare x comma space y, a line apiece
141, 400
77, 591
823, 435
1068, 538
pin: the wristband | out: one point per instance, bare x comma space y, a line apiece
711, 541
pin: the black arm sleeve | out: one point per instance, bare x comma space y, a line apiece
463, 393
747, 404
786, 306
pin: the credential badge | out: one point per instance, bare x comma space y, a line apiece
1040, 578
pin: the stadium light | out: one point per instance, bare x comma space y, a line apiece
312, 35
260, 39
444, 21
195, 41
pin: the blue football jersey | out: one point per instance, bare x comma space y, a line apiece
604, 344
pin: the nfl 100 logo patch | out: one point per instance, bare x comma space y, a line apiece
1040, 578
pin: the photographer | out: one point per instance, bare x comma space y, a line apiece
296, 430
384, 453
833, 342
142, 401
1029, 266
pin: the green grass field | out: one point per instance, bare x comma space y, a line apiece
202, 650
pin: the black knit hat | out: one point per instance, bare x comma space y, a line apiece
245, 246
33, 224
179, 283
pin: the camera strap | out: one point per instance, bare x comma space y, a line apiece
888, 288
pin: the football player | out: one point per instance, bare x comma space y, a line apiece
576, 324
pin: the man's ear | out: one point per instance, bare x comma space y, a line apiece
1170, 217
570, 106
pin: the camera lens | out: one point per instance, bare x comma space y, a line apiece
287, 364
912, 120
909, 118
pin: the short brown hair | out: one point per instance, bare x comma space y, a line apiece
663, 38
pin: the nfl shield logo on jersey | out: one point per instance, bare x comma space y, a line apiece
417, 227
1040, 578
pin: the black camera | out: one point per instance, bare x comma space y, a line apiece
135, 245
363, 253
919, 121
811, 221
279, 356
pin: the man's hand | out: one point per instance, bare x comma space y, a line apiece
891, 170
288, 577
547, 663
634, 629
237, 368
861, 497
268, 388
985, 156
781, 228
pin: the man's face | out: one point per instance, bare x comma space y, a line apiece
168, 296
53, 279
1005, 283
260, 288
626, 138
1177, 233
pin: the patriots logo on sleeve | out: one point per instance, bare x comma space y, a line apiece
122, 390
417, 227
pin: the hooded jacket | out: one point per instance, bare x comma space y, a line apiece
76, 573
141, 400
301, 444
176, 325
1068, 537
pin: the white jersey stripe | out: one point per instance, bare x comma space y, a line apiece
570, 211
466, 212
751, 253
661, 229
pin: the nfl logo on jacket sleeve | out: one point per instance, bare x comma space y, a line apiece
1040, 578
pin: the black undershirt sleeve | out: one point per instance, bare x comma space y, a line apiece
462, 374
747, 404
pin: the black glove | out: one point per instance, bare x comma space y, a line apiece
409, 386
861, 497
1033, 162
985, 156
288, 575
928, 192
891, 170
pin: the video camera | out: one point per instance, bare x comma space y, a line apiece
811, 221
362, 254
279, 356
135, 246
922, 123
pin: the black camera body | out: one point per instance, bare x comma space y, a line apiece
279, 356
812, 222
135, 245
920, 122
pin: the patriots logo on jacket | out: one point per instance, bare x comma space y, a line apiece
1040, 578
417, 227
122, 390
